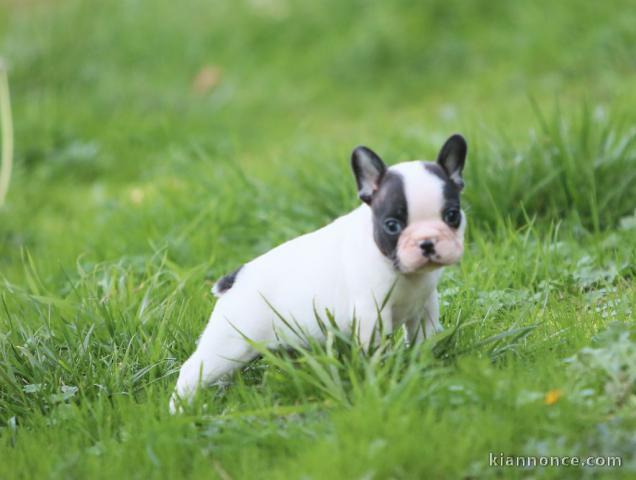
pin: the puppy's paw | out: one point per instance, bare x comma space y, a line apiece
432, 329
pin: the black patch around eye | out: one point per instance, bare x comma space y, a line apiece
226, 282
450, 190
389, 202
452, 217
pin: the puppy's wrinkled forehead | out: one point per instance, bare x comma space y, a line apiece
423, 189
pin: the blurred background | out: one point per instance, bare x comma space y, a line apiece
129, 115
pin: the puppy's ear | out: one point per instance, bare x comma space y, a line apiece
452, 157
369, 170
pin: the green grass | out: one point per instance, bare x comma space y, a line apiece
132, 192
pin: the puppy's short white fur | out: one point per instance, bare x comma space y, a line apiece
409, 226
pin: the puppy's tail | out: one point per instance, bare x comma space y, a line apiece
225, 283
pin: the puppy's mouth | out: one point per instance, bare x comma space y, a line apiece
430, 253
432, 262
434, 258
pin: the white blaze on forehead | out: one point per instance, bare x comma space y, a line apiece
423, 191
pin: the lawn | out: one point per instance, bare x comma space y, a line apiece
159, 145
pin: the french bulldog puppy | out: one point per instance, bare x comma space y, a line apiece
407, 228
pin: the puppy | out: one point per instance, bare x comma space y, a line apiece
408, 227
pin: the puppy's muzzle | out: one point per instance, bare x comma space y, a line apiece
430, 243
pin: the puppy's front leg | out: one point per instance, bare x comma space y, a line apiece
427, 326
431, 316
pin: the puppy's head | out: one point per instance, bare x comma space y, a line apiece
417, 219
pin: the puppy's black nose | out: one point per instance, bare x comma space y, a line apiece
428, 247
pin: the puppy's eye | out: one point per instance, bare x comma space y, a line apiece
452, 217
392, 226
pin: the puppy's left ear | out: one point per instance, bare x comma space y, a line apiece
369, 169
452, 157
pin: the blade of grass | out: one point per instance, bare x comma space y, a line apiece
6, 123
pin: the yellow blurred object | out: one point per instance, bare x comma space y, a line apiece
207, 78
552, 396
137, 195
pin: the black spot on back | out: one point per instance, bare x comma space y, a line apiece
389, 202
450, 190
226, 282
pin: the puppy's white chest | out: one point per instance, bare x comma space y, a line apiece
411, 294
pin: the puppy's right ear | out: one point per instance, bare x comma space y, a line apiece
452, 157
369, 170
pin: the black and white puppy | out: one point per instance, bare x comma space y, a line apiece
409, 225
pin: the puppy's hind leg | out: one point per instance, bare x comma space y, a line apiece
220, 351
